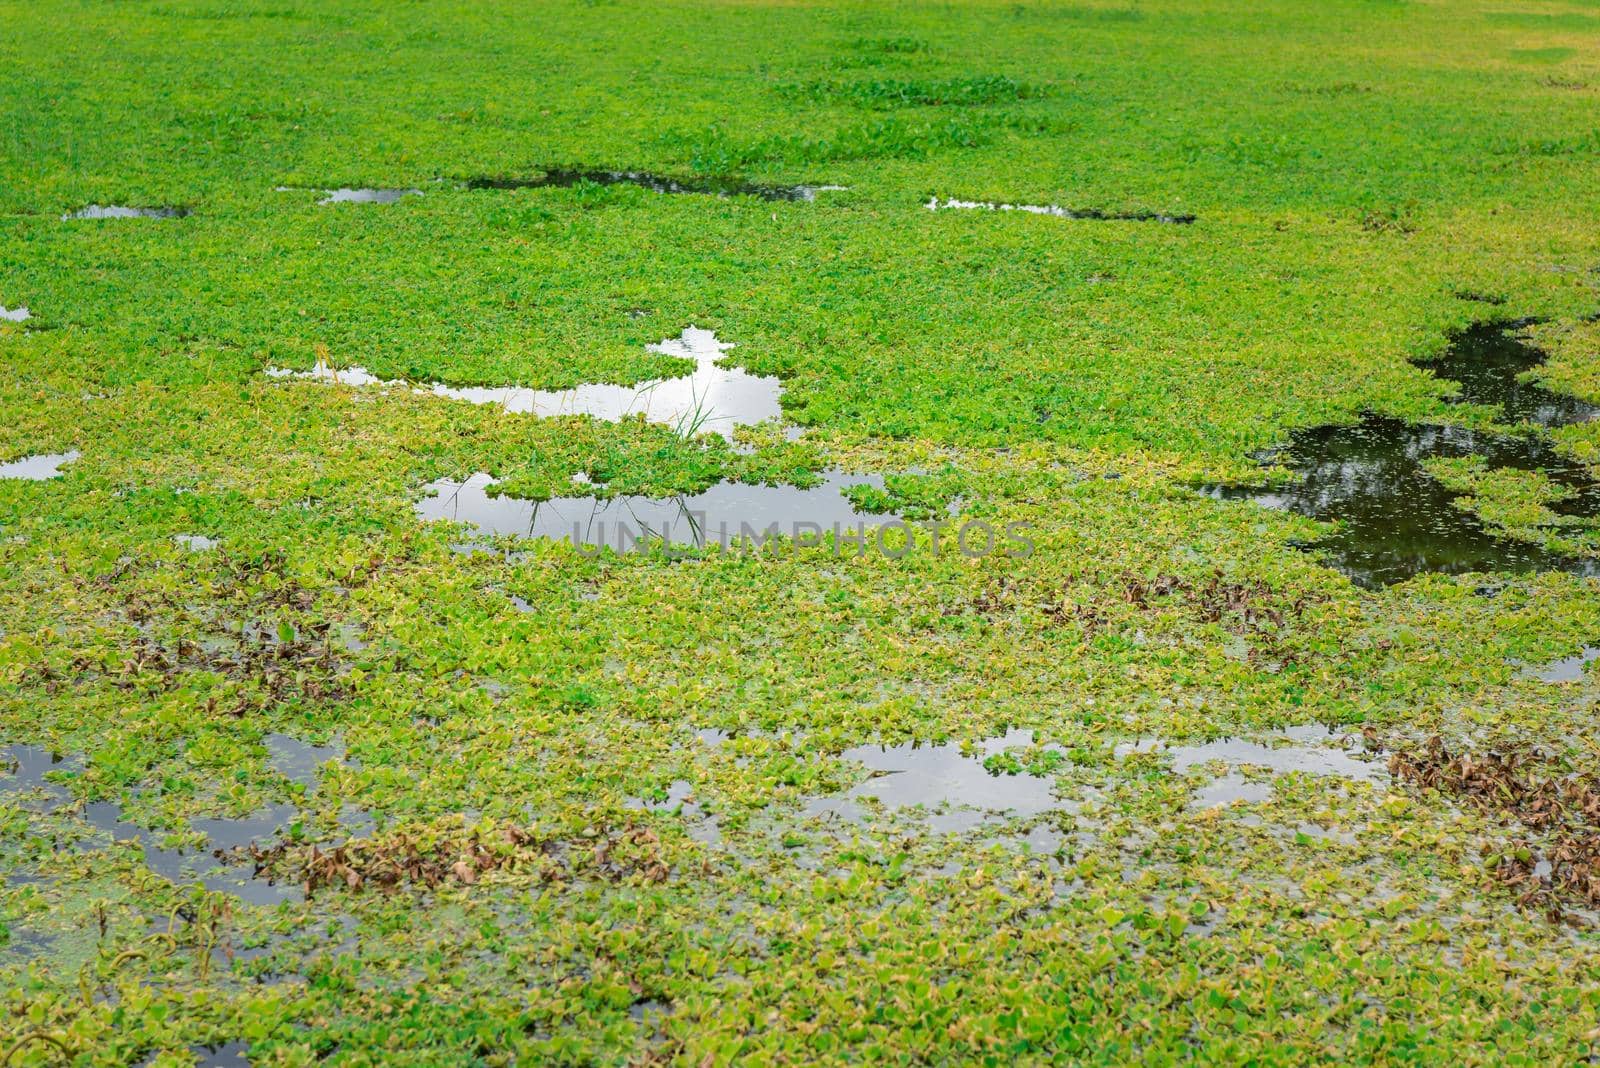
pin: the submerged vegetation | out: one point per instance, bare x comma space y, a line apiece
322, 742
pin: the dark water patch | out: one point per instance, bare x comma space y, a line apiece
117, 211
1090, 214
1396, 520
38, 468
1488, 363
25, 943
657, 183
727, 513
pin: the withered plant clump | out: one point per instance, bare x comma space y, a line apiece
1553, 863
462, 856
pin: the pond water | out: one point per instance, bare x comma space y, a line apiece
719, 516
227, 1055
22, 773
298, 761
367, 196
38, 468
14, 315
1311, 749
23, 768
1397, 520
1092, 214
951, 782
1567, 669
181, 866
710, 398
721, 187
117, 211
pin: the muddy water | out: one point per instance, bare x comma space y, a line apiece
1056, 210
1396, 520
719, 516
38, 468
710, 398
656, 183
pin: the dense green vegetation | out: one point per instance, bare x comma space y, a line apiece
525, 730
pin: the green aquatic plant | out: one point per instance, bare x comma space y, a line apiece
642, 807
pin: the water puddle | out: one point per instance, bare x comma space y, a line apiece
953, 784
1488, 362
1567, 669
650, 1011
23, 768
1397, 520
700, 825
657, 183
117, 211
1312, 749
22, 778
1232, 788
367, 196
1325, 759
196, 543
710, 398
727, 513
14, 315
1091, 214
301, 762
38, 468
181, 866
227, 1055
